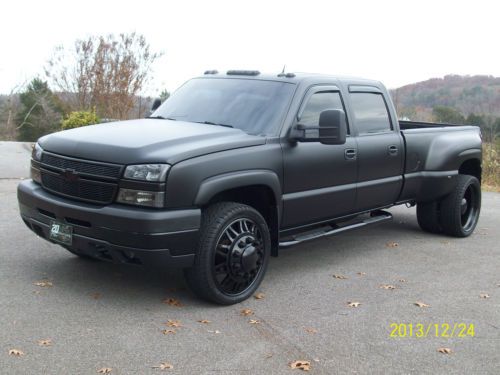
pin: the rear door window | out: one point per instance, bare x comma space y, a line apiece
370, 113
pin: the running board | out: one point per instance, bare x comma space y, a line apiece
380, 217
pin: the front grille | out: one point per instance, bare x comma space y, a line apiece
87, 190
85, 167
87, 181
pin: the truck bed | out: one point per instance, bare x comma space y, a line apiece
433, 154
405, 125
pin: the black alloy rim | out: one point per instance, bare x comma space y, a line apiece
469, 208
239, 256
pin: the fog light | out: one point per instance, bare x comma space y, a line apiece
141, 197
35, 175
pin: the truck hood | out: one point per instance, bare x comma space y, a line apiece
146, 141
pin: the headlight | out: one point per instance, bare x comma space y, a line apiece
36, 156
147, 172
141, 197
36, 153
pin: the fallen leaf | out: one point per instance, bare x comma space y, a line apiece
353, 304
254, 321
387, 287
340, 277
215, 332
302, 365
445, 350
43, 283
392, 244
445, 242
16, 352
204, 321
259, 296
421, 304
173, 323
96, 295
311, 330
45, 342
173, 302
104, 370
164, 366
484, 295
269, 355
246, 312
361, 273
168, 332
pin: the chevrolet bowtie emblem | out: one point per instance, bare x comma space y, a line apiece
70, 175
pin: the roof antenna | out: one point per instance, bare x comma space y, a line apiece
282, 74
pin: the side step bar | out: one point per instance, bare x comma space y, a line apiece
376, 218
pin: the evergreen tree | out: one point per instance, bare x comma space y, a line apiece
474, 119
40, 112
447, 115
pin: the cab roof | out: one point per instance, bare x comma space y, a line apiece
294, 78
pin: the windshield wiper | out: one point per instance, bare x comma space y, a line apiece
213, 123
162, 118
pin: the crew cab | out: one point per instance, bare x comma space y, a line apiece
234, 166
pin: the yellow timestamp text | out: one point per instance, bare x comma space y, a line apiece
443, 330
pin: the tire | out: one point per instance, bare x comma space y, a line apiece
232, 255
428, 217
460, 209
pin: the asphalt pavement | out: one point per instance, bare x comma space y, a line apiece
95, 315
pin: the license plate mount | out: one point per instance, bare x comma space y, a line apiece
60, 232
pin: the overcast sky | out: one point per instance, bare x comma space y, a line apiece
396, 42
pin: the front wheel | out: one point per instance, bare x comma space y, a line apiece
232, 255
460, 209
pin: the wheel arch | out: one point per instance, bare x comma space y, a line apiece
471, 167
259, 189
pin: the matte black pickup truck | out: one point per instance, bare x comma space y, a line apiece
234, 166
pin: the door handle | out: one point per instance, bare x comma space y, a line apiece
393, 150
350, 154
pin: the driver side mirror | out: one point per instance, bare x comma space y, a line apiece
332, 129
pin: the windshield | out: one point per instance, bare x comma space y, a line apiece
254, 106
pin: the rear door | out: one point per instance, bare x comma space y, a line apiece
380, 149
319, 180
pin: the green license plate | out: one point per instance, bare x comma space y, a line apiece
61, 233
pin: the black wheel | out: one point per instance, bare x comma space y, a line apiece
428, 217
460, 209
233, 253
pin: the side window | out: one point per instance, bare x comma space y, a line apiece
319, 102
370, 113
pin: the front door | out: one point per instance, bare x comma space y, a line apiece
319, 180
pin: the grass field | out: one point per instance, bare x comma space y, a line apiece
491, 166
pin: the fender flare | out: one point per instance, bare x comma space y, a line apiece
232, 180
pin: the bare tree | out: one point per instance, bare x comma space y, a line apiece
103, 72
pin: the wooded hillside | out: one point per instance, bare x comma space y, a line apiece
479, 95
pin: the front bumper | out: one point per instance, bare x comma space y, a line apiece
114, 233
